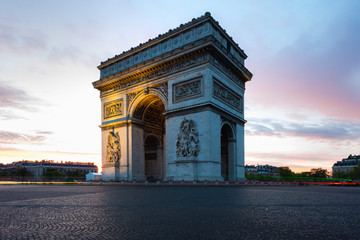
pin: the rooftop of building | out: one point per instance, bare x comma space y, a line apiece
352, 160
262, 167
48, 163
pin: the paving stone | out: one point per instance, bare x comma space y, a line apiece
178, 212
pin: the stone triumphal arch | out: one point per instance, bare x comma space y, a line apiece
173, 107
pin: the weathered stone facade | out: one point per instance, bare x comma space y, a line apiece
175, 106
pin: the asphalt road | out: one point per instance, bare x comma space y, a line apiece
178, 212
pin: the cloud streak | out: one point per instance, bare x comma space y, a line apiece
41, 132
18, 138
327, 130
11, 97
17, 40
9, 115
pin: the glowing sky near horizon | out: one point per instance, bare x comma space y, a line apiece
302, 104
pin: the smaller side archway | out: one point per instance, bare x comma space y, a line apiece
153, 158
227, 152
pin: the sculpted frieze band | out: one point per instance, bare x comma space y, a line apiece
187, 89
227, 96
234, 77
161, 72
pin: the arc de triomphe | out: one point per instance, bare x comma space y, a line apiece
173, 107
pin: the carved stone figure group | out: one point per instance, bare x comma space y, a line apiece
187, 144
113, 147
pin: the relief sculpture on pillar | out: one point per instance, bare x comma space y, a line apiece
187, 144
113, 151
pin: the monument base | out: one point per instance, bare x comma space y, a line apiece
191, 169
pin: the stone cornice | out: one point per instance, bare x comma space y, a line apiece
205, 106
225, 55
186, 34
173, 62
152, 73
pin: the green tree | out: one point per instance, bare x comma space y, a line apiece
342, 174
4, 173
76, 175
52, 174
285, 172
319, 173
355, 174
22, 172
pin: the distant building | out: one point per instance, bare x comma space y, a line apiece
37, 168
347, 164
93, 176
265, 170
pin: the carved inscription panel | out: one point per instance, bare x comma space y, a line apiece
188, 89
114, 108
227, 96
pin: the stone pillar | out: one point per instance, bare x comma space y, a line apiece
159, 162
206, 163
231, 158
239, 160
136, 153
111, 143
117, 171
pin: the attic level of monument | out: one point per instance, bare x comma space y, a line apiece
197, 33
173, 107
197, 24
166, 65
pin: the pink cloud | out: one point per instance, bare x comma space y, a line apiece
21, 41
329, 130
17, 138
13, 97
312, 74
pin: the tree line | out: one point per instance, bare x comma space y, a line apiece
319, 173
313, 174
286, 174
50, 174
353, 175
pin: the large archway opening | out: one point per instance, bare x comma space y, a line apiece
149, 113
226, 153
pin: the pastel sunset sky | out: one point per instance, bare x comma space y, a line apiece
302, 105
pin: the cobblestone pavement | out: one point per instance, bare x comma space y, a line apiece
178, 212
